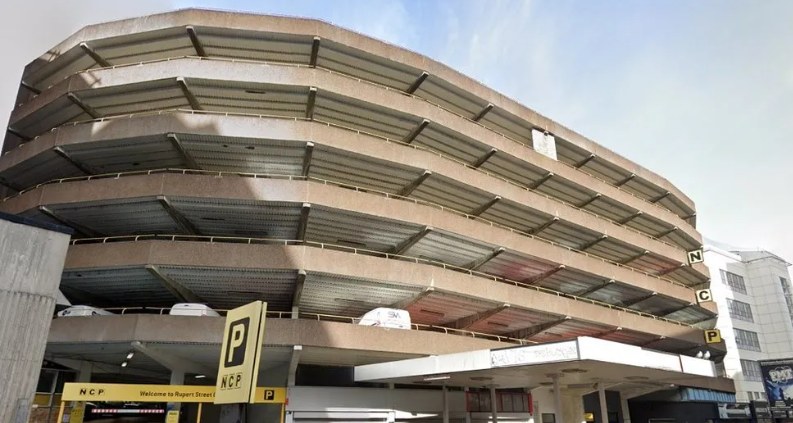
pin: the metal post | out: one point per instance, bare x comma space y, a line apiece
467, 411
604, 415
557, 399
445, 404
198, 415
283, 412
493, 404
60, 413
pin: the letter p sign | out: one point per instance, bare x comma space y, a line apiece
712, 336
236, 342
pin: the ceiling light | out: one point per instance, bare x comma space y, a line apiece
200, 376
130, 355
438, 377
124, 364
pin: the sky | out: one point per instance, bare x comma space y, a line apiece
700, 92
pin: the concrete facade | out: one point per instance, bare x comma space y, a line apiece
221, 158
760, 303
32, 258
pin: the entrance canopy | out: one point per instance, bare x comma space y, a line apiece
580, 362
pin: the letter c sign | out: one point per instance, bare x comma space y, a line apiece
704, 296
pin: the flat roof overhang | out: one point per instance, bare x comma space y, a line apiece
579, 363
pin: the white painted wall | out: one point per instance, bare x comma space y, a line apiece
772, 323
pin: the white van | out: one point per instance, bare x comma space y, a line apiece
192, 309
82, 310
386, 318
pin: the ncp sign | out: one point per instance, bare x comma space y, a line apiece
240, 354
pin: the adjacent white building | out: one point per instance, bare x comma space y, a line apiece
753, 292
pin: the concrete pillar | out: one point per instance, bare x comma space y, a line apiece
177, 378
84, 373
493, 404
32, 254
295, 312
604, 414
557, 399
626, 412
445, 404
467, 413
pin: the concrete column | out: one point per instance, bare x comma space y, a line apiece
84, 374
626, 412
493, 404
177, 378
32, 254
604, 414
467, 413
445, 404
557, 399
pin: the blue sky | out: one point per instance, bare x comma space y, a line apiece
698, 91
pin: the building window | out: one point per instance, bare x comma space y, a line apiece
751, 370
747, 340
507, 402
735, 282
788, 298
740, 310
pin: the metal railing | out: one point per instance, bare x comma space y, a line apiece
388, 140
333, 318
387, 88
364, 190
362, 251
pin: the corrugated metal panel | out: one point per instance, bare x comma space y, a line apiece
648, 224
350, 61
243, 97
565, 190
109, 353
612, 249
355, 229
508, 124
60, 67
142, 46
447, 192
125, 286
358, 170
440, 308
59, 111
513, 169
127, 154
516, 266
255, 45
515, 215
239, 217
134, 98
344, 296
450, 248
362, 116
40, 168
253, 155
616, 293
450, 97
510, 320
568, 234
569, 329
226, 288
451, 144
134, 216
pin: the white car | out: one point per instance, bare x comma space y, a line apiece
386, 318
192, 309
82, 310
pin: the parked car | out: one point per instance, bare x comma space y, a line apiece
83, 310
386, 318
192, 309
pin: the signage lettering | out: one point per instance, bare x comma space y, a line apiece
240, 354
704, 296
158, 393
695, 256
712, 336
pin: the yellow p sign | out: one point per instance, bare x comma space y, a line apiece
240, 354
712, 336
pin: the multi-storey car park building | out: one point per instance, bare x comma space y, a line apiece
220, 158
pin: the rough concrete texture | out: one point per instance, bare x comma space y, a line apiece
30, 271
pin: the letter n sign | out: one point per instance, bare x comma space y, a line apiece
695, 256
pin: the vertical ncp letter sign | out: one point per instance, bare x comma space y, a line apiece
240, 354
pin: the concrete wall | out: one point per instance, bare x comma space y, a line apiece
32, 261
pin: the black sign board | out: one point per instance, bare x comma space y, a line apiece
778, 383
760, 410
